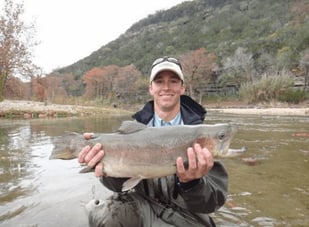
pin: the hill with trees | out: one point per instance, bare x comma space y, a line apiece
227, 47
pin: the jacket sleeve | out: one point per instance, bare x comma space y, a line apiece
209, 194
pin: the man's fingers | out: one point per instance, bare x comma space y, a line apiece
94, 150
201, 155
210, 160
99, 170
83, 153
192, 158
206, 159
96, 159
180, 166
200, 162
88, 135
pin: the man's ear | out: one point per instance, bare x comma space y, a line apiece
183, 90
150, 89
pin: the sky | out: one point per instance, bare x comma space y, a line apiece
69, 30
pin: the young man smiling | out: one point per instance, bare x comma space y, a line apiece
183, 199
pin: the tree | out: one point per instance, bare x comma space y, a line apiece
71, 85
126, 83
238, 68
93, 80
38, 90
16, 89
197, 67
111, 82
16, 43
300, 11
53, 87
304, 64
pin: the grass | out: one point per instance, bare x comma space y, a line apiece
268, 88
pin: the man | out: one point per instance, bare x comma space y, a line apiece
183, 199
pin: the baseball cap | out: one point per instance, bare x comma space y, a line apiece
166, 63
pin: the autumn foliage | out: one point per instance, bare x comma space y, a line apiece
198, 67
16, 43
111, 82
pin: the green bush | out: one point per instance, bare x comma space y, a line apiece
293, 96
266, 89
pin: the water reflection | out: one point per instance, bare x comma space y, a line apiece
274, 191
16, 166
270, 190
30, 182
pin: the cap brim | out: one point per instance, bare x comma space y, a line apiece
166, 66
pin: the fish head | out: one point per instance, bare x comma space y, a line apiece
67, 146
216, 138
96, 209
94, 204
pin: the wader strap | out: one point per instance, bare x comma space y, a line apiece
146, 188
165, 189
174, 215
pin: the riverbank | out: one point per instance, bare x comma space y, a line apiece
235, 107
32, 109
265, 111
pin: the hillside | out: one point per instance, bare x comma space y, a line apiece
277, 29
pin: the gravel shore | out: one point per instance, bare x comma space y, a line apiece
41, 109
298, 111
32, 109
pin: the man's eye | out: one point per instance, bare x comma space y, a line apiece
176, 81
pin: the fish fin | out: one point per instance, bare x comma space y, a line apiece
72, 133
130, 183
86, 169
128, 127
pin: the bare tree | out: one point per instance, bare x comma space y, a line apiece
197, 66
16, 43
238, 68
304, 63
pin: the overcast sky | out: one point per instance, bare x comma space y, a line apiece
69, 30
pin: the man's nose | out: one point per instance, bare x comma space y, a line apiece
166, 85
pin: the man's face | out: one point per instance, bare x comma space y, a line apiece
166, 90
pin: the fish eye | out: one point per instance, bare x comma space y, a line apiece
221, 135
97, 202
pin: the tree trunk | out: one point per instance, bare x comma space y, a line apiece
2, 86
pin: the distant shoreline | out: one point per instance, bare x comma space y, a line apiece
32, 109
297, 111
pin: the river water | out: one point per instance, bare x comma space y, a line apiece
269, 184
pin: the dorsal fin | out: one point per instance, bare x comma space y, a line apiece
128, 127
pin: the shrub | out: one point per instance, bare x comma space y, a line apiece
266, 89
293, 96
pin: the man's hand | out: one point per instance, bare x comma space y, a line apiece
92, 156
200, 162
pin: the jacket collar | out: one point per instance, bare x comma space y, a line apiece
191, 111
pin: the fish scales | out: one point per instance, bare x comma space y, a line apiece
139, 152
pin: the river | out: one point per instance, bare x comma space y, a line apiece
269, 184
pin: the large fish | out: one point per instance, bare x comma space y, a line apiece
140, 152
